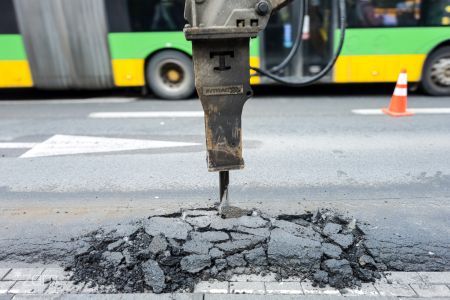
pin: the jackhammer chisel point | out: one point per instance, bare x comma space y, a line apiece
224, 180
225, 210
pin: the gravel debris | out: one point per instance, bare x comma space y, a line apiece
171, 253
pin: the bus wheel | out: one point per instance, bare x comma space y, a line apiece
170, 75
436, 75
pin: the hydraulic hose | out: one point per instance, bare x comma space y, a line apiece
298, 40
329, 66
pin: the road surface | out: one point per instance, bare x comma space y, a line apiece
67, 168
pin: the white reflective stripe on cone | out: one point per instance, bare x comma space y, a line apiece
401, 92
402, 79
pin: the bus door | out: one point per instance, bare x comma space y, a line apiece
278, 38
317, 38
66, 43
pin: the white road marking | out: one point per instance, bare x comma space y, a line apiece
70, 145
147, 114
367, 111
70, 101
17, 145
419, 111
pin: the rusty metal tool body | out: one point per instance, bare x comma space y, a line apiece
220, 31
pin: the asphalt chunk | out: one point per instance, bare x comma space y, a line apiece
169, 227
154, 276
195, 263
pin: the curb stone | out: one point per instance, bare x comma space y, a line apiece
309, 289
404, 277
56, 274
424, 290
212, 287
247, 288
367, 289
395, 285
284, 288
5, 286
193, 297
23, 274
288, 297
436, 277
28, 287
396, 290
3, 272
111, 296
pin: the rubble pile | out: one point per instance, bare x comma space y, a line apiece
173, 252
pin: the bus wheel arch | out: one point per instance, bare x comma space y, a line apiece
436, 71
169, 74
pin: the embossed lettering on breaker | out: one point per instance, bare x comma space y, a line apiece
223, 90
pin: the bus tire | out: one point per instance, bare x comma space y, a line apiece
436, 73
170, 75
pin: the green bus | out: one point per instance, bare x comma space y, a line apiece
97, 44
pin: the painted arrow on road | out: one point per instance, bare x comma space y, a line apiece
70, 145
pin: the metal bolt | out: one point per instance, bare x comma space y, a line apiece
262, 8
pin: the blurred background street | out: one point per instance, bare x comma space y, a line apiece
100, 123
70, 165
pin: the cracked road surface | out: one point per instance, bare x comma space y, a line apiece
301, 153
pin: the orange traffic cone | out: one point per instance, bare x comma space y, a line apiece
399, 101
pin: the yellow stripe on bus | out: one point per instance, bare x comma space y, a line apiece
128, 72
131, 72
255, 62
378, 68
15, 73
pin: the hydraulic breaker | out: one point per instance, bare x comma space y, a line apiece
220, 31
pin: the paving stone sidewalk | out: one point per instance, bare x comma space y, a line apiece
54, 283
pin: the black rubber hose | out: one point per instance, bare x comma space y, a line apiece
330, 65
298, 41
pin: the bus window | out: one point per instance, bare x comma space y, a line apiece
383, 13
145, 15
278, 37
281, 33
436, 13
8, 22
160, 15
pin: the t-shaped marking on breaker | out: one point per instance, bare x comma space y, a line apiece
220, 31
222, 63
